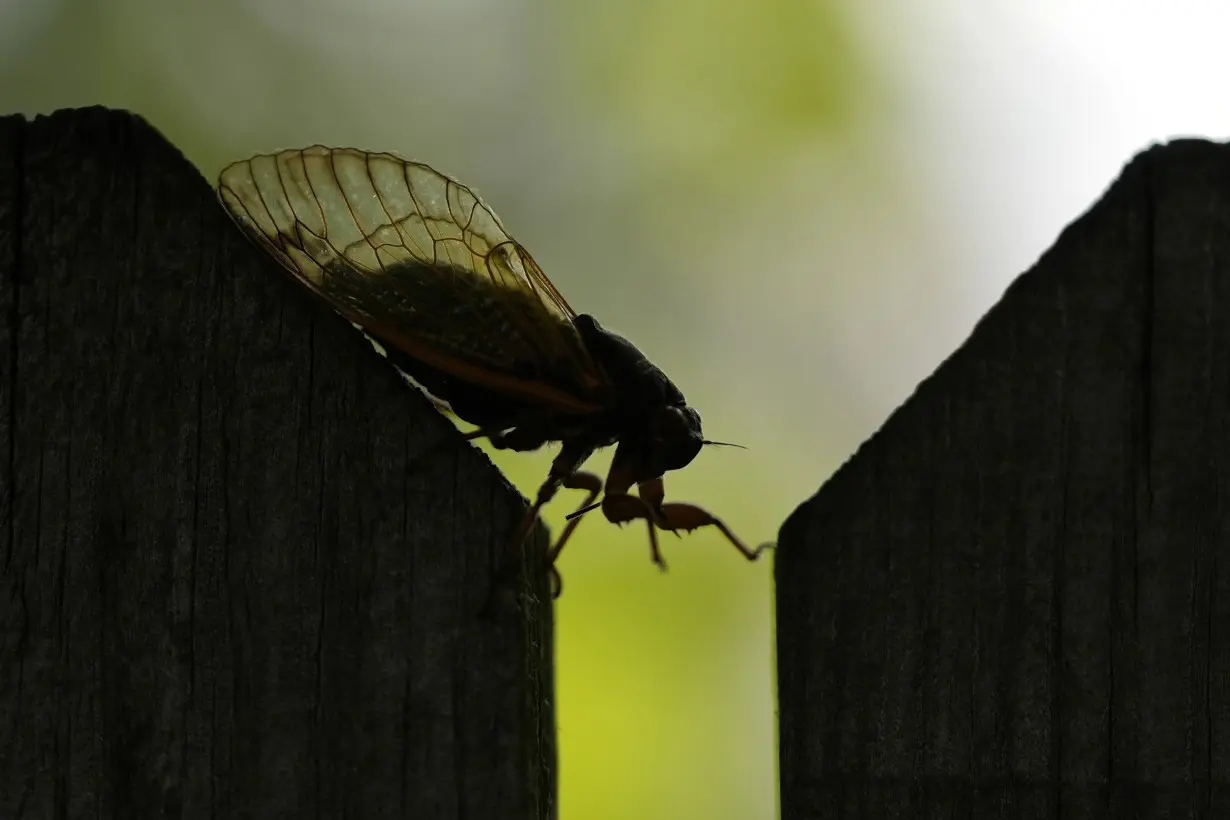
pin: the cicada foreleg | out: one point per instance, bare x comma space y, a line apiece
620, 508
677, 515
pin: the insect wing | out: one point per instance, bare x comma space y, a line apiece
420, 262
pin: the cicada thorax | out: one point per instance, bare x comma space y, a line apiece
639, 384
656, 429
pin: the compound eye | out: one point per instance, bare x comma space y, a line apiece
676, 438
670, 422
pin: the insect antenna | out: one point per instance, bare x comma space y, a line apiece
582, 511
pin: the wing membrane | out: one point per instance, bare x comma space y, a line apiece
421, 262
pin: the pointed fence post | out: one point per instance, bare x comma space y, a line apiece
241, 563
1014, 601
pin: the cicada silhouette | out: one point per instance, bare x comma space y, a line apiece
421, 264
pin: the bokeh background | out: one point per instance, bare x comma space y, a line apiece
797, 208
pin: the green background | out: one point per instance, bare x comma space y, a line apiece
796, 208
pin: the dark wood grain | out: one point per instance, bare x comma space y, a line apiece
1013, 601
241, 563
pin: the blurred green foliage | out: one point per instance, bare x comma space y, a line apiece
617, 140
714, 89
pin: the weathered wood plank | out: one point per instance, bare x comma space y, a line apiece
1013, 601
241, 563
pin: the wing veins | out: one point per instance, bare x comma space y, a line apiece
418, 210
513, 290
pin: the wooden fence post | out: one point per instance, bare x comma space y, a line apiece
1010, 602
241, 563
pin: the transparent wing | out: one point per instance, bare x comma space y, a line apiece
420, 261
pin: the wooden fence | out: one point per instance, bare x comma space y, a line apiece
1009, 603
241, 565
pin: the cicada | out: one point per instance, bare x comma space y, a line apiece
419, 263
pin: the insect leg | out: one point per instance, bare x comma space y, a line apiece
519, 439
676, 515
571, 457
496, 434
671, 516
484, 432
579, 480
620, 507
563, 471
655, 554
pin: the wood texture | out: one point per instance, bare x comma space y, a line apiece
1013, 601
241, 563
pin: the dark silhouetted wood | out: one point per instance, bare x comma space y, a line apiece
1014, 601
241, 563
